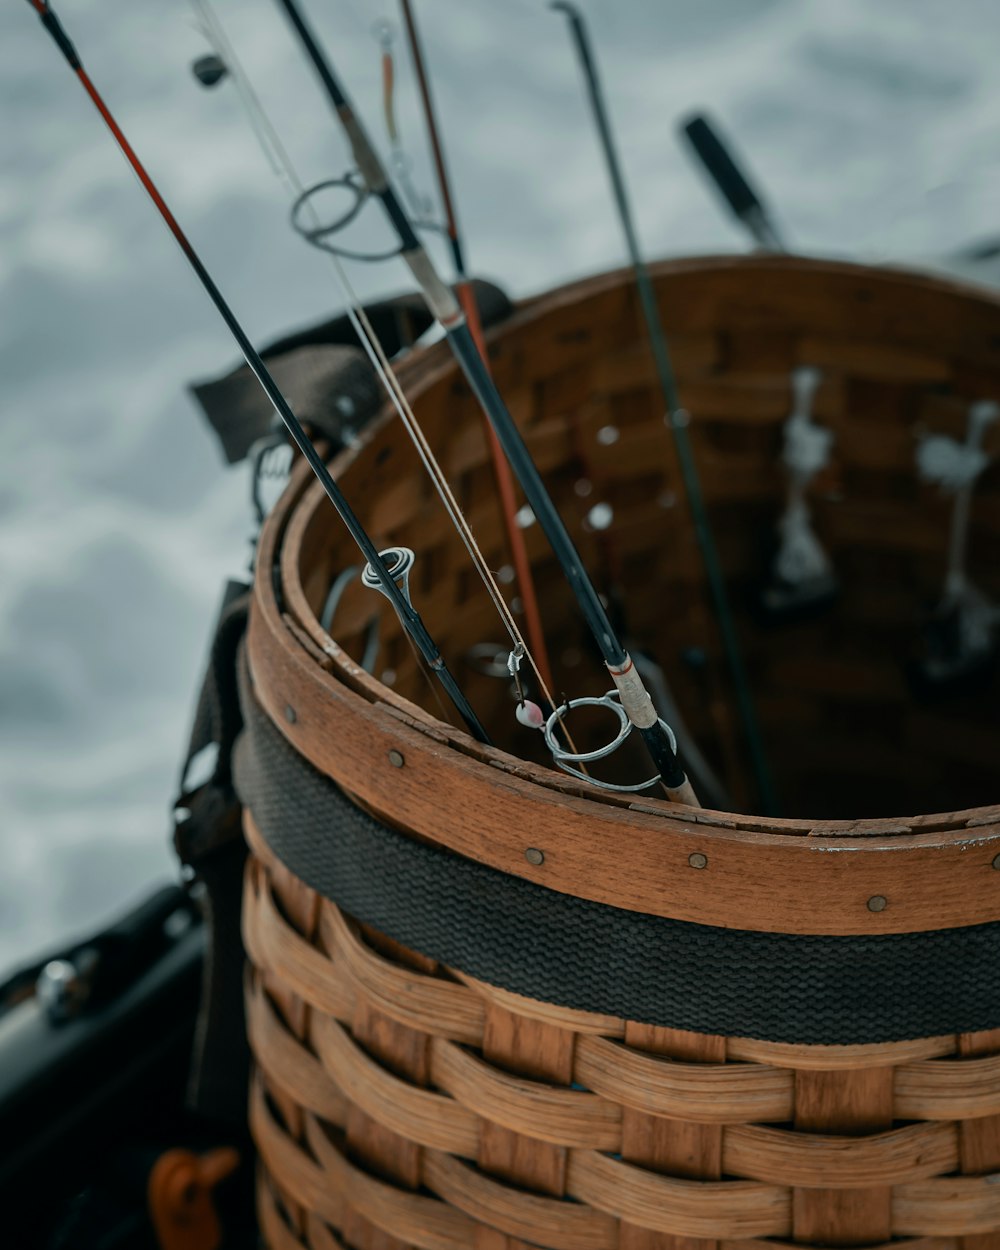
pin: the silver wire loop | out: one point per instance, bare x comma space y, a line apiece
318, 235
398, 562
567, 759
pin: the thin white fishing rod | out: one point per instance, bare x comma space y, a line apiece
284, 168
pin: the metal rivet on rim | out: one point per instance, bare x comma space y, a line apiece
877, 902
698, 860
534, 856
290, 715
396, 759
996, 861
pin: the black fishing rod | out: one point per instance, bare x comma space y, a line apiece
732, 183
676, 417
386, 577
443, 305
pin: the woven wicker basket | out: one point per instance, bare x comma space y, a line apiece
399, 1101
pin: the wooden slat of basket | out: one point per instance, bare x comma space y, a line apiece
855, 1102
873, 360
633, 366
425, 1117
287, 1064
274, 945
548, 1222
711, 1209
897, 1243
839, 1058
327, 1185
275, 1232
432, 1007
564, 1117
301, 906
828, 1162
979, 1138
320, 1237
947, 1206
299, 1178
677, 1147
729, 1093
369, 1141
580, 1022
945, 1089
543, 1053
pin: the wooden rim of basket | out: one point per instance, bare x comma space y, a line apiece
921, 873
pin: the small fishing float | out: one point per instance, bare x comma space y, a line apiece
391, 579
731, 182
676, 418
629, 688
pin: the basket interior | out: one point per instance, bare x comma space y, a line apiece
846, 733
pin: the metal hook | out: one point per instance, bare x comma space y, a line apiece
398, 561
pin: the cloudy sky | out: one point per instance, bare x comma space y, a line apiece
872, 125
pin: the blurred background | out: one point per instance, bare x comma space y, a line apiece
872, 129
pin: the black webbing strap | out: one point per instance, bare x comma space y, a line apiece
208, 838
577, 953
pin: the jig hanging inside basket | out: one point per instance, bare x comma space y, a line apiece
802, 576
959, 638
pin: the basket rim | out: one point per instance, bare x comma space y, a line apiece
765, 874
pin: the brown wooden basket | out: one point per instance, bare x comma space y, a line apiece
399, 1102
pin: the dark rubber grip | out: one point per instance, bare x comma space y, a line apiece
717, 160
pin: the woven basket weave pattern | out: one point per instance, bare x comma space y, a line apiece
400, 1105
899, 357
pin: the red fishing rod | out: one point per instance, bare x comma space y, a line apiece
463, 288
383, 577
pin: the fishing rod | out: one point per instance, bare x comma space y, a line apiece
282, 165
731, 182
463, 287
383, 576
635, 701
677, 418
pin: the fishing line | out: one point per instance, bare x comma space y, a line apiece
385, 32
444, 306
380, 362
501, 469
385, 577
